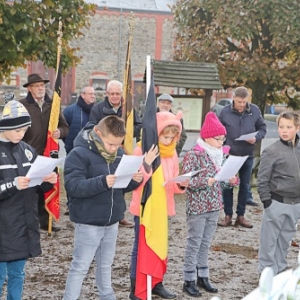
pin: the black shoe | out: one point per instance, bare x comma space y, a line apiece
66, 213
132, 296
54, 229
251, 203
190, 288
160, 291
204, 283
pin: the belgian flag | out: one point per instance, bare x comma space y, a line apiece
52, 201
153, 237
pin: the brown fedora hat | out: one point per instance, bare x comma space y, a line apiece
32, 78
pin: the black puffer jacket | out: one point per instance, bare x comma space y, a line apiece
19, 225
90, 200
104, 109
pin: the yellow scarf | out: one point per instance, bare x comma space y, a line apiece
165, 151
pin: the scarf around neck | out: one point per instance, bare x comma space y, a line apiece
85, 107
164, 151
215, 154
109, 157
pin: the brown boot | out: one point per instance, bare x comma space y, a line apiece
240, 220
226, 222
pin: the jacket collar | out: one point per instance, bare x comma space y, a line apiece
289, 143
247, 110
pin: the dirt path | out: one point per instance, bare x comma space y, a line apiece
233, 260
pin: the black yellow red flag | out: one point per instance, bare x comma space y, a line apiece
153, 236
52, 201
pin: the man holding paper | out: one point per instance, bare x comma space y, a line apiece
241, 118
95, 206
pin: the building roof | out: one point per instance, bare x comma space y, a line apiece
148, 5
193, 75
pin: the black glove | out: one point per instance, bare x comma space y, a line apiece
267, 203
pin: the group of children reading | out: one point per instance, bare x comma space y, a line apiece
96, 207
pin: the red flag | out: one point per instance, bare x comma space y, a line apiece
52, 201
153, 236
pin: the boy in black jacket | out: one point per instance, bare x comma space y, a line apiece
19, 225
95, 206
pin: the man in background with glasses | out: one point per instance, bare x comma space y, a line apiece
112, 105
38, 103
240, 118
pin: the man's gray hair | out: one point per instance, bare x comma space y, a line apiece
114, 82
82, 90
241, 92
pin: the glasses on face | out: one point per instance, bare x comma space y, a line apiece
38, 85
220, 140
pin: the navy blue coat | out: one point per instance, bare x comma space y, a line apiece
237, 123
19, 224
91, 201
76, 118
104, 109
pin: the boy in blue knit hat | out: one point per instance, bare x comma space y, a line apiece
19, 229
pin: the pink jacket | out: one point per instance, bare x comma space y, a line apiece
170, 168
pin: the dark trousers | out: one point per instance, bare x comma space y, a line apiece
243, 194
43, 214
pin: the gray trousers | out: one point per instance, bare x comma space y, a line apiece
277, 230
201, 229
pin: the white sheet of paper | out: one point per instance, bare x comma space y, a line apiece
42, 167
128, 166
230, 167
182, 177
246, 137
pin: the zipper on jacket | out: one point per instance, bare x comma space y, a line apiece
112, 199
294, 151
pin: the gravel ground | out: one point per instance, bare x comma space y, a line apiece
233, 259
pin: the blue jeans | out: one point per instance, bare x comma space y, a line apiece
243, 194
135, 247
89, 242
14, 270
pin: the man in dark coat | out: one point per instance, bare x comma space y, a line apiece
77, 114
241, 118
112, 105
38, 104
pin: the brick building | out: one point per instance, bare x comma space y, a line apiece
103, 48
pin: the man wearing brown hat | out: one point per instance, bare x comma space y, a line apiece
38, 104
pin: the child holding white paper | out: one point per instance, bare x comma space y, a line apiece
169, 128
95, 206
204, 200
19, 229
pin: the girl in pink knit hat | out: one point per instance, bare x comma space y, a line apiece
204, 200
169, 128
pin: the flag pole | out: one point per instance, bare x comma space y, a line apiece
148, 82
59, 38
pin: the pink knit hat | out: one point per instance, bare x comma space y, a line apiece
212, 126
165, 118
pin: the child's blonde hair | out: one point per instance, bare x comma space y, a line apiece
289, 115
